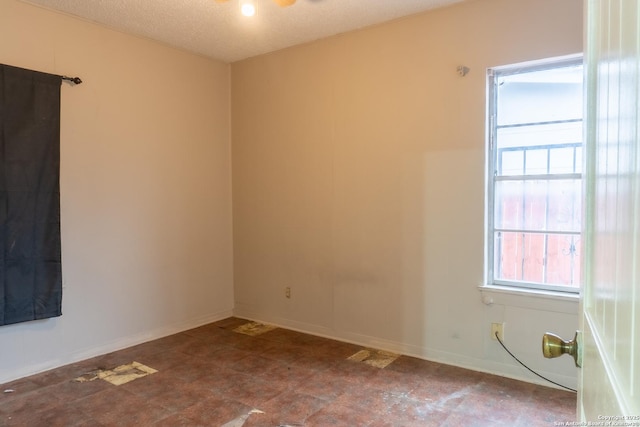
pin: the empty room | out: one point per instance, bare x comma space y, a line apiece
329, 212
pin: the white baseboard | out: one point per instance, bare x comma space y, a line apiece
481, 365
119, 344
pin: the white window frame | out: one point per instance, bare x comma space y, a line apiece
491, 168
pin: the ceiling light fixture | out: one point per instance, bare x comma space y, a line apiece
247, 7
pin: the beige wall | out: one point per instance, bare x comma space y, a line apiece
358, 167
145, 189
358, 181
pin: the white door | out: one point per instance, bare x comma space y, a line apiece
610, 376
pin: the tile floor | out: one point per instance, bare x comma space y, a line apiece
213, 376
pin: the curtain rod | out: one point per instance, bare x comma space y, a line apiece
74, 80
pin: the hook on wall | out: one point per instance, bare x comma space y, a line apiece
463, 70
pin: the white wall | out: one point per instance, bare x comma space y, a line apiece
358, 181
145, 189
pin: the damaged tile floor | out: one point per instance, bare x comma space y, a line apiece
235, 374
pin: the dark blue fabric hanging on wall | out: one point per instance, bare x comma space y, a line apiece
30, 254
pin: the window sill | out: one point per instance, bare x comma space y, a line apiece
560, 302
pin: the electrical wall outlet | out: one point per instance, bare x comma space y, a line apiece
287, 292
499, 328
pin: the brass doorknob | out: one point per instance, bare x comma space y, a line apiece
554, 346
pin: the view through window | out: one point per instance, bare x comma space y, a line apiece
535, 172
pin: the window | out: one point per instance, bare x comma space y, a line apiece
534, 175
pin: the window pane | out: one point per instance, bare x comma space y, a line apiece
519, 256
538, 205
509, 204
539, 134
536, 162
536, 202
563, 260
511, 162
565, 205
550, 259
579, 160
540, 96
561, 160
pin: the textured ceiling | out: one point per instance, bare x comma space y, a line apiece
219, 31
